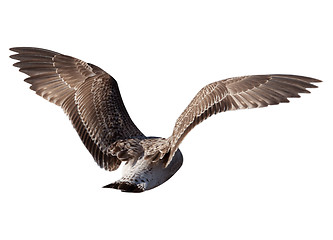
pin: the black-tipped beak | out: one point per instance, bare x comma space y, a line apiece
111, 185
125, 187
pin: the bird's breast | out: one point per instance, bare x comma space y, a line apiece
147, 174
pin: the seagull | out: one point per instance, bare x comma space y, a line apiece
91, 99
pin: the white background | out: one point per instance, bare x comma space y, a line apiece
253, 174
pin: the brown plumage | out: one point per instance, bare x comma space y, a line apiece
82, 90
237, 93
91, 99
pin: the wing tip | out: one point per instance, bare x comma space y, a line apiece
14, 56
21, 49
298, 77
32, 50
14, 49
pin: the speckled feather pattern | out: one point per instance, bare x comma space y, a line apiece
91, 99
78, 88
237, 93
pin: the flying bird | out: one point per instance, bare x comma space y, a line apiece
91, 99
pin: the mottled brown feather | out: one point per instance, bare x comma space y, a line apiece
237, 93
92, 100
77, 87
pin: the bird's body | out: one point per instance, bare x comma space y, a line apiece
91, 99
143, 171
144, 174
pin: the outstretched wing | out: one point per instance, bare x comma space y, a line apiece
237, 93
87, 94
